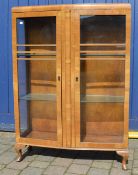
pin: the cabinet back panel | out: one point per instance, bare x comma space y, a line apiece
43, 109
104, 128
44, 124
102, 71
104, 90
104, 112
41, 30
43, 77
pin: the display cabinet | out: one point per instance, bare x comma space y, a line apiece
71, 68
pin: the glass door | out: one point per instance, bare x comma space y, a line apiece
39, 77
100, 54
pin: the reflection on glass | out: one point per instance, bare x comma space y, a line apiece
102, 29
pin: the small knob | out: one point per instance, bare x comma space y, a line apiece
59, 78
77, 78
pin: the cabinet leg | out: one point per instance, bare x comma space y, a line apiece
18, 149
124, 155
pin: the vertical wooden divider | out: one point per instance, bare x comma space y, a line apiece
127, 77
77, 75
59, 74
68, 78
72, 79
63, 79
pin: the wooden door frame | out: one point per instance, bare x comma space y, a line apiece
66, 74
31, 141
75, 16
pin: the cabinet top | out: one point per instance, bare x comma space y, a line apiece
109, 6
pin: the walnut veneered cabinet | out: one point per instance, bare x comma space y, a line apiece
71, 69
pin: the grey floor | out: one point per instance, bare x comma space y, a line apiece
43, 161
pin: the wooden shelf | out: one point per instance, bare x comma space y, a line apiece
97, 52
101, 54
41, 97
43, 82
42, 135
36, 54
37, 59
93, 138
101, 99
104, 44
35, 45
105, 84
103, 59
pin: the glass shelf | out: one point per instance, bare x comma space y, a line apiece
40, 97
104, 44
101, 98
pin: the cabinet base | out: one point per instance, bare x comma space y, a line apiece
19, 149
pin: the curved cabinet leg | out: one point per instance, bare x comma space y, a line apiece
124, 155
18, 149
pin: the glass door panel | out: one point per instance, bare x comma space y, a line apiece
38, 61
37, 38
103, 30
102, 78
102, 36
